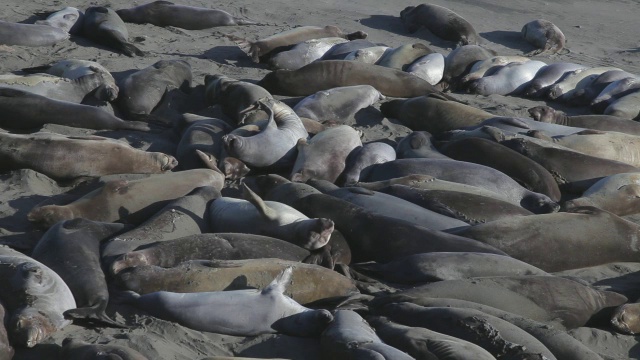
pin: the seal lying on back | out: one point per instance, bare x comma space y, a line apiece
240, 312
30, 34
166, 13
324, 75
544, 35
441, 21
104, 26
597, 122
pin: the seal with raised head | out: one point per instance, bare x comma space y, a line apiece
548, 114
441, 21
402, 56
338, 104
78, 349
68, 19
235, 96
360, 159
130, 201
265, 311
30, 34
166, 13
104, 26
67, 157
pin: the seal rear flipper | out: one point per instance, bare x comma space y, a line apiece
246, 46
279, 284
264, 210
131, 50
95, 313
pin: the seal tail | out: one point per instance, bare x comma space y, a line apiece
247, 46
131, 50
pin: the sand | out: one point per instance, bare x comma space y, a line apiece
599, 33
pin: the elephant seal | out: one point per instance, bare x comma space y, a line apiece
547, 77
330, 74
369, 55
165, 13
303, 53
433, 113
130, 201
614, 91
497, 336
269, 218
627, 107
275, 146
585, 95
6, 351
401, 57
429, 67
68, 157
349, 336
235, 96
30, 34
441, 21
488, 67
511, 79
582, 227
104, 26
466, 173
34, 296
25, 110
143, 90
596, 122
72, 249
418, 144
574, 81
544, 35
626, 319
340, 51
205, 135
423, 343
220, 246
337, 104
265, 311
360, 159
68, 19
309, 282
527, 172
324, 156
78, 349
440, 266
459, 61
263, 47
617, 194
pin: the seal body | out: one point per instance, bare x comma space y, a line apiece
509, 80
369, 55
360, 159
401, 57
6, 350
574, 81
340, 51
614, 91
57, 88
548, 76
459, 61
303, 53
30, 34
627, 107
418, 144
104, 26
337, 104
490, 66
204, 135
544, 35
429, 67
68, 19
616, 193
441, 21
235, 97
596, 122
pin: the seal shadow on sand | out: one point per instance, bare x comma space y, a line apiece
510, 39
394, 24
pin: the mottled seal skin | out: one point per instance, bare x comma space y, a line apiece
25, 110
596, 122
266, 311
78, 350
418, 144
68, 19
511, 79
614, 91
30, 34
429, 67
422, 343
574, 81
471, 208
66, 157
432, 267
401, 57
130, 201
340, 51
459, 61
433, 113
330, 74
490, 66
309, 282
72, 249
260, 48
303, 53
324, 156
338, 104
34, 295
626, 319
349, 336
369, 55
235, 96
617, 194
547, 77
627, 107
544, 35
182, 217
525, 171
204, 135
6, 351
498, 337
275, 146
466, 173
360, 159
603, 237
143, 90
104, 26
374, 237
166, 13
441, 21
220, 246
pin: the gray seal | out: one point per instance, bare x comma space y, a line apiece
6, 350
617, 193
596, 122
511, 79
458, 63
429, 67
68, 19
401, 57
441, 21
205, 135
418, 144
360, 160
627, 106
338, 104
613, 91
544, 35
303, 53
549, 76
235, 97
30, 34
104, 26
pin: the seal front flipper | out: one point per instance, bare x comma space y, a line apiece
264, 210
131, 50
95, 313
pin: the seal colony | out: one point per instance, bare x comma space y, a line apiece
163, 195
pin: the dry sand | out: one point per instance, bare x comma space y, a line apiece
598, 32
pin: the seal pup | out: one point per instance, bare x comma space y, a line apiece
340, 51
338, 104
68, 19
617, 194
104, 26
303, 53
68, 157
402, 56
574, 81
509, 80
544, 35
165, 13
613, 91
204, 134
549, 115
547, 77
458, 63
30, 34
441, 21
78, 349
72, 249
369, 55
585, 95
349, 336
265, 311
268, 218
131, 201
490, 66
429, 67
35, 296
360, 159
418, 144
627, 107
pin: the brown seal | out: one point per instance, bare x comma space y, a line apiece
544, 35
441, 21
